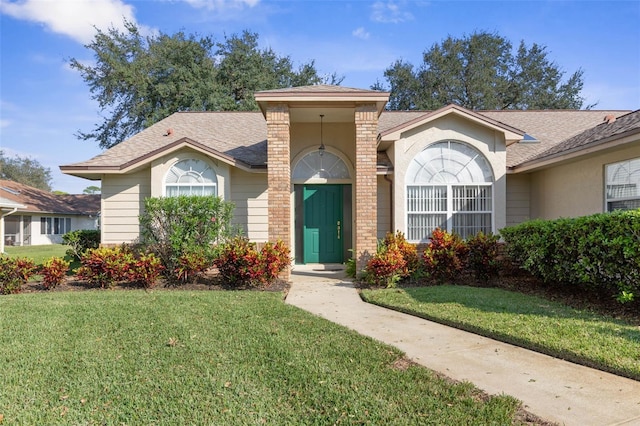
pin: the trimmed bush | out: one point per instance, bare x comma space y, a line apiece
482, 257
444, 257
53, 272
105, 266
387, 267
240, 263
601, 251
80, 241
14, 273
178, 228
145, 270
190, 265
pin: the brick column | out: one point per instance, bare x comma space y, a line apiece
366, 215
279, 175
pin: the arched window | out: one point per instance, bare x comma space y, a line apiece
623, 185
191, 177
449, 186
320, 165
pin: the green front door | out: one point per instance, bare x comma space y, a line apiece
322, 233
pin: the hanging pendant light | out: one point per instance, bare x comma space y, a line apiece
321, 148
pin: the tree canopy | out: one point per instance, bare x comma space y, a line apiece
481, 72
139, 80
26, 171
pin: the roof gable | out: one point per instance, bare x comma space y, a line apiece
512, 134
38, 201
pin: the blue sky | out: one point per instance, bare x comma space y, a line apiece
43, 103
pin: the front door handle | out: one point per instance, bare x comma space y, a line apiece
338, 228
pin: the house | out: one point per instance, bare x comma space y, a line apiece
30, 216
327, 169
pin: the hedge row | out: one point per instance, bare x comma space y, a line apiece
601, 251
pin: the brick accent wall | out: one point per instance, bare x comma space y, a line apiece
366, 119
279, 175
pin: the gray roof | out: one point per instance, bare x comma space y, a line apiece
241, 136
624, 125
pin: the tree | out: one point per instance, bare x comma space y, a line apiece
480, 72
91, 190
26, 171
140, 80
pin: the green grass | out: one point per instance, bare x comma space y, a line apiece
528, 321
209, 357
40, 254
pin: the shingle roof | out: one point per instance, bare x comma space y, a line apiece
624, 125
39, 201
549, 127
242, 136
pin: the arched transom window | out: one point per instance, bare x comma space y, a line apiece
191, 177
449, 186
320, 165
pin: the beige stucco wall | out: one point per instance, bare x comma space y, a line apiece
122, 201
488, 142
518, 198
248, 191
575, 188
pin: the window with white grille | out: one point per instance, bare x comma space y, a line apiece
191, 177
623, 185
449, 186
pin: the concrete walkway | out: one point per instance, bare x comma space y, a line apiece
550, 388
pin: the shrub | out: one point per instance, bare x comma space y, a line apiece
600, 251
483, 256
174, 228
239, 262
444, 257
387, 266
145, 270
80, 241
105, 266
14, 273
408, 250
190, 265
53, 272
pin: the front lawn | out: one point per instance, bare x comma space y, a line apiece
38, 253
210, 357
524, 320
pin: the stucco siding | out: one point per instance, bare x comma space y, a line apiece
122, 202
575, 188
518, 195
248, 191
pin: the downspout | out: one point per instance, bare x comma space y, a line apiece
15, 209
391, 203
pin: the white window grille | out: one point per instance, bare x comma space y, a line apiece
449, 186
623, 185
191, 177
320, 165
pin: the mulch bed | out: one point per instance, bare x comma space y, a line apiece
208, 281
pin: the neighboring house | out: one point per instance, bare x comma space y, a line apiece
327, 170
31, 216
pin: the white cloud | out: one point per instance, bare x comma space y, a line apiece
4, 123
360, 33
389, 12
221, 4
73, 18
